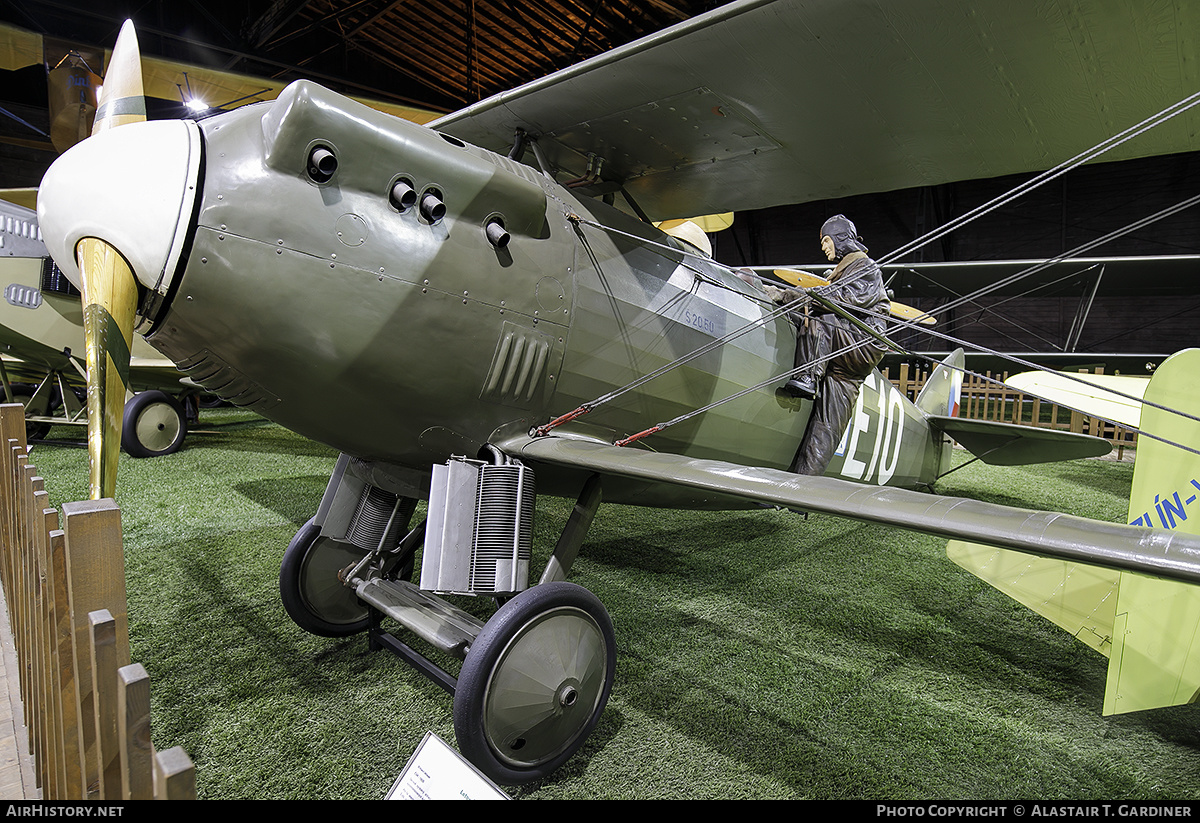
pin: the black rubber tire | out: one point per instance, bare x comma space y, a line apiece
308, 586
154, 425
518, 644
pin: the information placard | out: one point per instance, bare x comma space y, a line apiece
437, 772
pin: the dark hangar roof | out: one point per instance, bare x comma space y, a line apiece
436, 54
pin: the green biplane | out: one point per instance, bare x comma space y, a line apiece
483, 333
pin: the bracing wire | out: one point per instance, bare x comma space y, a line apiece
1112, 142
895, 327
1045, 177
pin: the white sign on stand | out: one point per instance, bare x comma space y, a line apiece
438, 772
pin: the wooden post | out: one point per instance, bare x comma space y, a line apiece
174, 775
96, 579
87, 709
32, 607
103, 746
133, 723
68, 689
12, 430
52, 708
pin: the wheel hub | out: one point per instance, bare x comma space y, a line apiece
568, 694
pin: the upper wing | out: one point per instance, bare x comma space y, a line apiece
764, 102
1113, 545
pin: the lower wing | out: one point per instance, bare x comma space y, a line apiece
1052, 534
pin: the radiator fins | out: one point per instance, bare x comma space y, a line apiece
378, 522
55, 282
479, 530
503, 527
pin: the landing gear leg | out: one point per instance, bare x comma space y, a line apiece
358, 530
575, 531
535, 677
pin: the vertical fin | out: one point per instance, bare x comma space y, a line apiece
940, 397
1155, 659
940, 394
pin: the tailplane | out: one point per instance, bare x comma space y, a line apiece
994, 442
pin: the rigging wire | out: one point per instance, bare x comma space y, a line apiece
1112, 142
1027, 272
1075, 252
908, 323
1140, 400
1046, 176
585, 408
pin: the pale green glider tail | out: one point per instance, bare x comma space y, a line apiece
1148, 627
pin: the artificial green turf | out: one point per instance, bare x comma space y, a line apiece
761, 655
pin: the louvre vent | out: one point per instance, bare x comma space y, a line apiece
24, 297
519, 367
226, 382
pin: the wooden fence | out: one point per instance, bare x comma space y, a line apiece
86, 708
986, 397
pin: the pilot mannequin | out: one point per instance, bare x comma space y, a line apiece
835, 355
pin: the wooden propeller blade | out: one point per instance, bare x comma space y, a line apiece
806, 280
71, 88
110, 302
110, 289
122, 99
802, 279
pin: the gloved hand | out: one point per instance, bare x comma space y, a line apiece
776, 294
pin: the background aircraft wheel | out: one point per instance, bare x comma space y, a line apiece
535, 682
308, 584
154, 425
23, 393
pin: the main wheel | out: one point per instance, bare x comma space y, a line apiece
535, 682
308, 584
154, 425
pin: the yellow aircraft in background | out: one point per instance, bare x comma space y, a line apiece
42, 349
